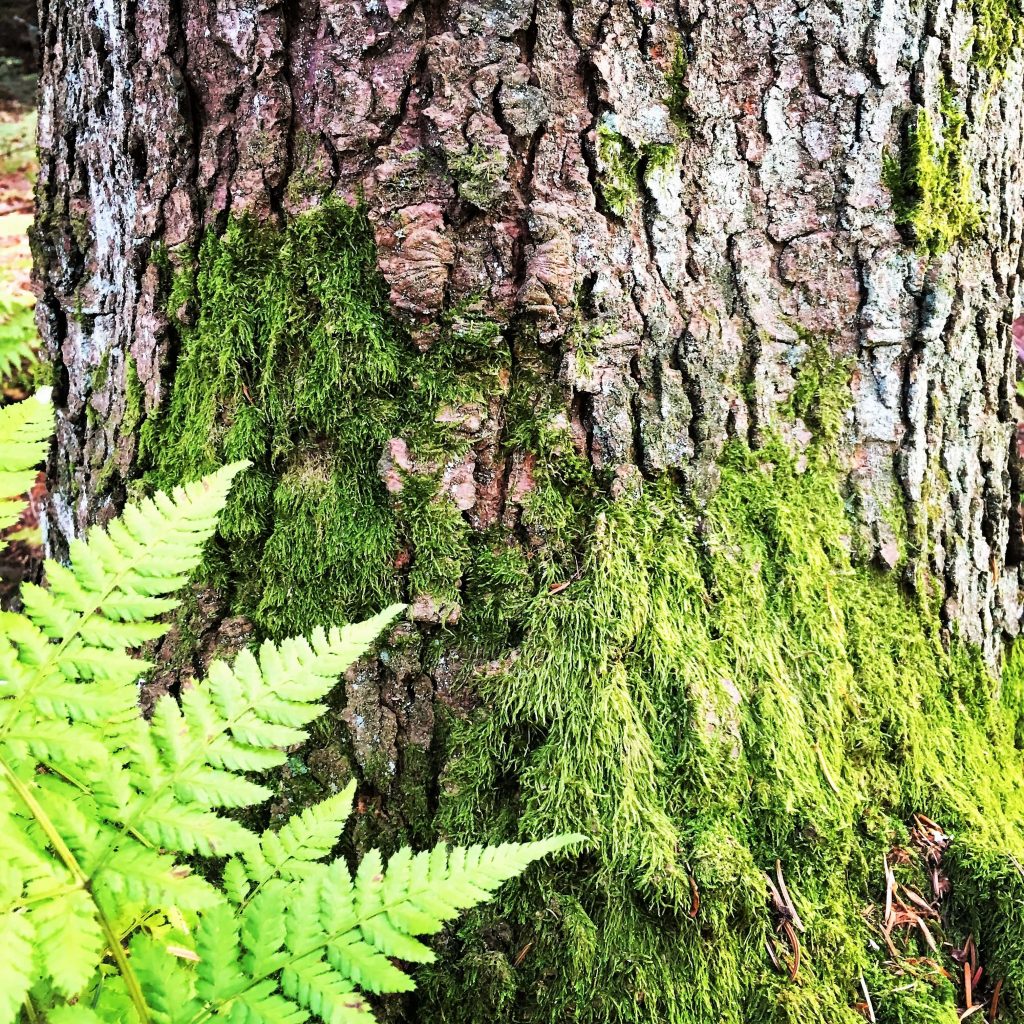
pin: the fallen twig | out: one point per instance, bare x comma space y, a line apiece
695, 900
522, 954
794, 916
794, 943
995, 1000
890, 881
867, 999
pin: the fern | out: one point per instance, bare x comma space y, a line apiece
108, 908
18, 337
25, 429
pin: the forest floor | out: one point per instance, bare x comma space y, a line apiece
17, 174
18, 166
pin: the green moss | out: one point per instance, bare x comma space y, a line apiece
678, 93
821, 395
718, 689
290, 358
479, 175
311, 176
618, 164
98, 377
621, 164
930, 180
998, 31
134, 398
702, 691
660, 156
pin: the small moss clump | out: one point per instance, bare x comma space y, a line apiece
621, 164
930, 180
678, 94
479, 175
998, 31
821, 395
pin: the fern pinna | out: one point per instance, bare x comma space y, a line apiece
101, 918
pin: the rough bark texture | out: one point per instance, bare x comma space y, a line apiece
668, 209
767, 224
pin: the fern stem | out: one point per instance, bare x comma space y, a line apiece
52, 894
30, 1011
131, 982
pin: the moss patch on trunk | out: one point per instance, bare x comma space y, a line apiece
720, 690
290, 358
930, 179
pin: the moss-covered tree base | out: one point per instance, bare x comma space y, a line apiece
708, 692
720, 691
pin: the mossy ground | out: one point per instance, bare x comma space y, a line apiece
701, 691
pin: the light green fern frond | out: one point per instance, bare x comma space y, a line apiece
18, 336
25, 429
97, 805
16, 974
311, 939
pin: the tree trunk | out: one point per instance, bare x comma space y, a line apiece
660, 356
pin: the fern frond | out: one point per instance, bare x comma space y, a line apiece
97, 802
417, 895
16, 976
319, 959
305, 838
74, 1014
25, 429
104, 599
18, 335
313, 984
139, 874
264, 931
68, 940
167, 981
229, 722
219, 972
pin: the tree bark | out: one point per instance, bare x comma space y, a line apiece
665, 213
